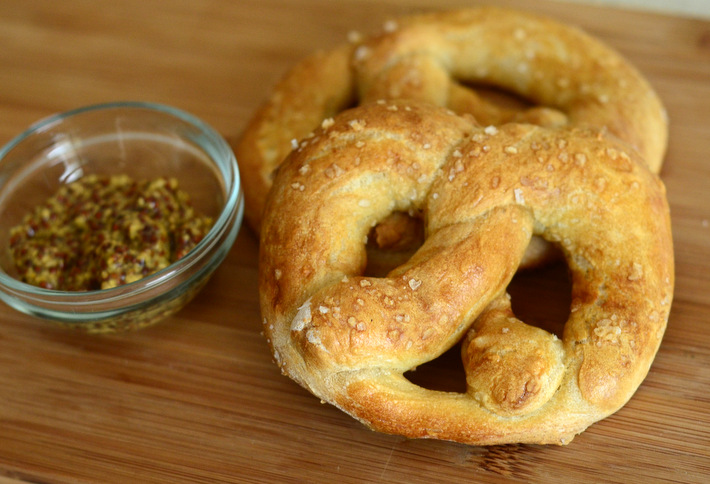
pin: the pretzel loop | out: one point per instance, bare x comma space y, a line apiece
559, 68
484, 193
569, 77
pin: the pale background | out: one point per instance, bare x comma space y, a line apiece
691, 8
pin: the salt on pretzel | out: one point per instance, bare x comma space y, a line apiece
551, 64
484, 192
572, 76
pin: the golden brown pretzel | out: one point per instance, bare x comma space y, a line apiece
430, 57
550, 64
484, 192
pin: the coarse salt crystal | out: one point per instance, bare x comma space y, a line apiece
390, 26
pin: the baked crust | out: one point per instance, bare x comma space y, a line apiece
484, 193
570, 77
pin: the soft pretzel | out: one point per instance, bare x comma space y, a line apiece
550, 64
568, 76
484, 192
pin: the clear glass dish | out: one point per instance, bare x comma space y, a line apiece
143, 141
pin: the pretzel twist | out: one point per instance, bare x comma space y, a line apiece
484, 193
570, 77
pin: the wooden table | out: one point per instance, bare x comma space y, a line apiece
197, 398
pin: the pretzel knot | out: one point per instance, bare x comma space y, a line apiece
484, 192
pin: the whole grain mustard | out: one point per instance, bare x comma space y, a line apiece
105, 231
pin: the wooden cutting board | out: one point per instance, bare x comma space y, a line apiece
197, 398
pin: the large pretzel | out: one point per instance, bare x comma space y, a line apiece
431, 57
484, 192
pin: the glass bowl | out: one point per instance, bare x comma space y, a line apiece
144, 141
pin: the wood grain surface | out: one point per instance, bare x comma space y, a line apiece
197, 398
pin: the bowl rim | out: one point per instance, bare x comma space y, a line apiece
224, 159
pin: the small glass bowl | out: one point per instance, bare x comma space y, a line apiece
144, 141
